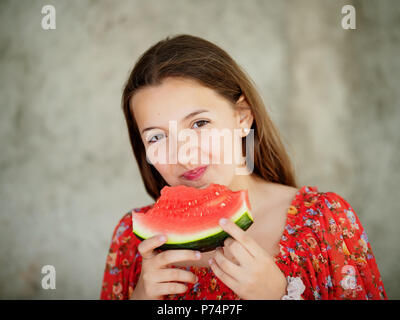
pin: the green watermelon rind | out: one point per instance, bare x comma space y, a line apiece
210, 242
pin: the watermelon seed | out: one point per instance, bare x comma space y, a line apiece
216, 193
223, 204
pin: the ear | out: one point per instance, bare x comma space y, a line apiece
244, 115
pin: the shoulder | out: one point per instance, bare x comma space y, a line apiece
124, 243
325, 220
315, 212
123, 230
325, 243
335, 212
121, 262
317, 225
310, 201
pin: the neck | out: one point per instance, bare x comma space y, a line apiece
256, 186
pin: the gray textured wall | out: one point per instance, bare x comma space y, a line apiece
67, 174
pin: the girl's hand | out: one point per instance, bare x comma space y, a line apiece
155, 278
257, 277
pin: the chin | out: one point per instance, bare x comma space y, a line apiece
195, 184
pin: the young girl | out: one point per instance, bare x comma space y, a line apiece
303, 244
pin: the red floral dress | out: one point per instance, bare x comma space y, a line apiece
323, 244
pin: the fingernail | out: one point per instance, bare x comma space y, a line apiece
162, 238
222, 221
198, 254
210, 261
197, 279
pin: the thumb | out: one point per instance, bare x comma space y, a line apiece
146, 247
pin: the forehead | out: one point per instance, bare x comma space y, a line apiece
172, 100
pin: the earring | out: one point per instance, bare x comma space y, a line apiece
246, 131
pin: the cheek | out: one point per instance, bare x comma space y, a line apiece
166, 171
225, 149
156, 153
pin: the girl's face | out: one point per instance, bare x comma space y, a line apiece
174, 119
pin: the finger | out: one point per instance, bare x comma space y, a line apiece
236, 249
228, 254
228, 241
147, 246
170, 288
224, 277
175, 274
240, 235
226, 265
171, 256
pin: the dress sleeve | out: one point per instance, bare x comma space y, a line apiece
352, 265
122, 268
328, 249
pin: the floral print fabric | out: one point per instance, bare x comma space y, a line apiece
323, 244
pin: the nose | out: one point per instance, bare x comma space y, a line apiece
188, 153
184, 149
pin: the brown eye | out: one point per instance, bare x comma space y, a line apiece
155, 138
200, 123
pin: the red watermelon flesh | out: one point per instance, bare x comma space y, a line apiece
190, 216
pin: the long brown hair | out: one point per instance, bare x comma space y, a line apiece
198, 59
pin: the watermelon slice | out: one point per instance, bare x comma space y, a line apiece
190, 216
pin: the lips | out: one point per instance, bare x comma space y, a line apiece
195, 174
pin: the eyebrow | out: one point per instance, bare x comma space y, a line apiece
192, 114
